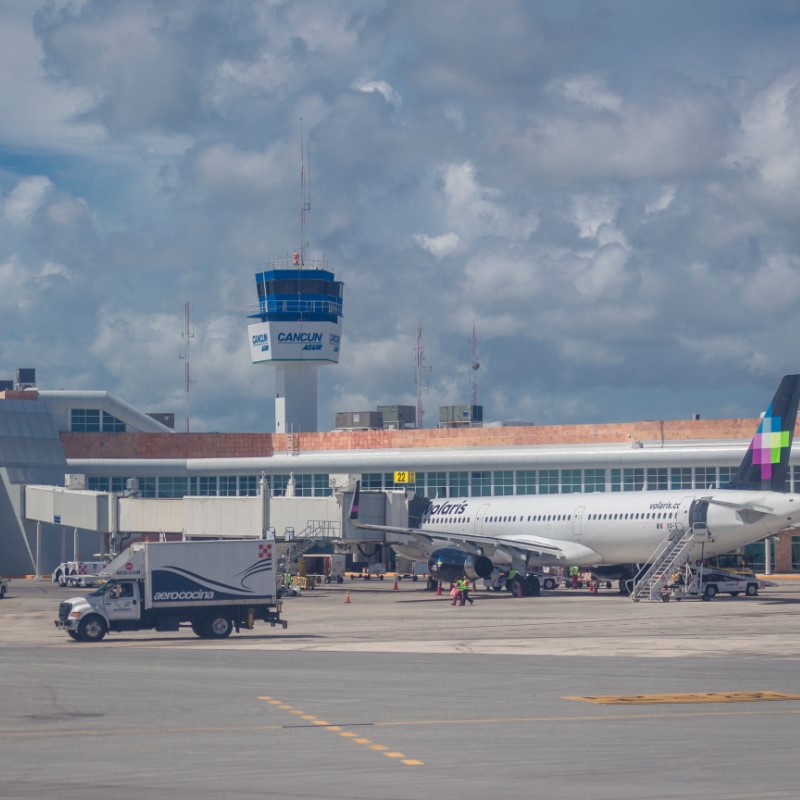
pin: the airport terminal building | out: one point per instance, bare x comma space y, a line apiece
46, 435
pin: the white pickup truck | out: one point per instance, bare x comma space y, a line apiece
707, 582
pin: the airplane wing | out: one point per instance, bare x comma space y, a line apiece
529, 544
756, 508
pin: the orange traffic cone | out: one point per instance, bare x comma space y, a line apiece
439, 589
396, 587
347, 596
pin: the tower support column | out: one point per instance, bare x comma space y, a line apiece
295, 398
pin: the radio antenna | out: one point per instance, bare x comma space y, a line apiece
474, 364
305, 198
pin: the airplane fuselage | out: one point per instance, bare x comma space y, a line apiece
608, 528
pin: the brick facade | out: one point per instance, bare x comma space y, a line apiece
245, 445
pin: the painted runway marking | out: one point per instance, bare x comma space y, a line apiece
353, 737
695, 697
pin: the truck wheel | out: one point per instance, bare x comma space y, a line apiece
74, 635
532, 586
218, 626
60, 579
339, 579
751, 590
711, 591
517, 587
92, 629
198, 628
327, 579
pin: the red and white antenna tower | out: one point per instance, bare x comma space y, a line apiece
187, 336
474, 364
305, 198
421, 373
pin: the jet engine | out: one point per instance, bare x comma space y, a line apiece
449, 564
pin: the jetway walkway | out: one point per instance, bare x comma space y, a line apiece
116, 517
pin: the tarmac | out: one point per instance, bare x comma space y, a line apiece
380, 619
398, 695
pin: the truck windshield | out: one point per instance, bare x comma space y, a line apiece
101, 589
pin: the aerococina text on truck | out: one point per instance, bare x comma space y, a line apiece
212, 586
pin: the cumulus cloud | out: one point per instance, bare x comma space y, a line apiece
439, 246
589, 90
26, 198
382, 88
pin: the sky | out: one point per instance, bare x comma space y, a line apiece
609, 192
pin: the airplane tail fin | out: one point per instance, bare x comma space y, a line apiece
765, 466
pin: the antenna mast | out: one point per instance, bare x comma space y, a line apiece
474, 364
421, 373
305, 199
187, 336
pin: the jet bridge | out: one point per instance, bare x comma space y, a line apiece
116, 519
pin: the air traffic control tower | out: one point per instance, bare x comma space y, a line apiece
299, 329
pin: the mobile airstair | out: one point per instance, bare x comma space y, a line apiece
671, 555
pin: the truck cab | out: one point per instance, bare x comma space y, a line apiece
116, 605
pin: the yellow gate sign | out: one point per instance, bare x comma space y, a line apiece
405, 477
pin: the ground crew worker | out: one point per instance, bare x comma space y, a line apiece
574, 574
465, 587
455, 592
287, 579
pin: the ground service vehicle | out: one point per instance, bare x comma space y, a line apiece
78, 573
324, 567
213, 586
706, 583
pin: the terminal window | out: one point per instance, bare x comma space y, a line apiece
548, 481
705, 477
481, 484
594, 480
571, 481
436, 484
227, 486
458, 483
504, 482
248, 485
681, 478
526, 481
92, 420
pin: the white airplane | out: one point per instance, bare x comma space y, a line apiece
610, 535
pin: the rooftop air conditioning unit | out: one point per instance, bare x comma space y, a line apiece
26, 378
341, 481
75, 481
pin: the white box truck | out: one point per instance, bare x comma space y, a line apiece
212, 586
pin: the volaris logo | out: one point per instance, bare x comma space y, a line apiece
768, 443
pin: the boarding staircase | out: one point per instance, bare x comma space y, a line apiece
315, 532
670, 555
